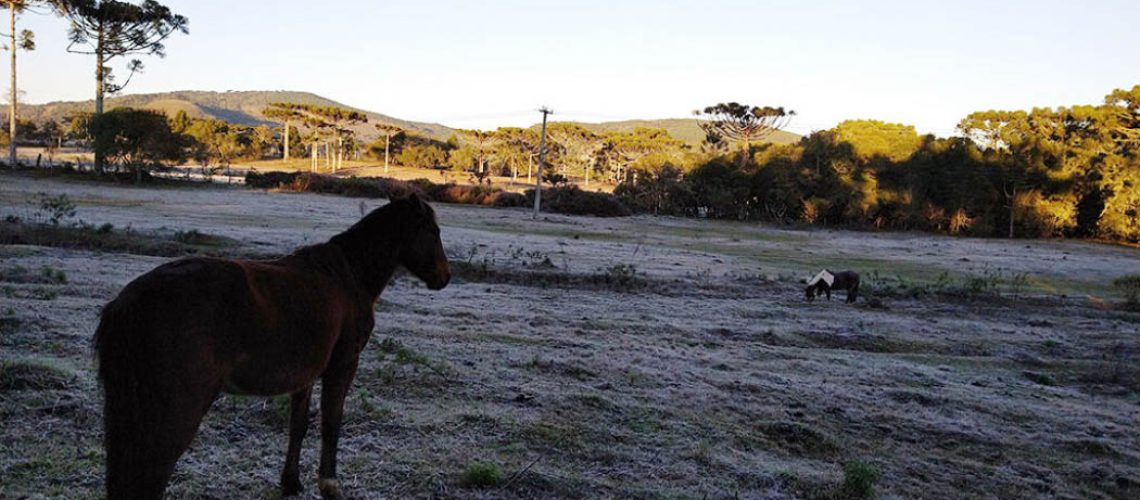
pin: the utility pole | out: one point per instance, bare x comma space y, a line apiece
13, 104
541, 156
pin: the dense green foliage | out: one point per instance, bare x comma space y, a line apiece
136, 139
1046, 172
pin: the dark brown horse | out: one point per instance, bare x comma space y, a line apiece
825, 281
179, 335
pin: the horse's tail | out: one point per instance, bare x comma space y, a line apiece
854, 293
127, 372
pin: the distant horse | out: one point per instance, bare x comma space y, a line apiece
182, 333
825, 281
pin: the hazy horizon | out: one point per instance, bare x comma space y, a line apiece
489, 65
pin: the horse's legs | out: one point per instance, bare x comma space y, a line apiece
298, 426
334, 388
149, 428
828, 290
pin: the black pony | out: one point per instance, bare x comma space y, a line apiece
825, 281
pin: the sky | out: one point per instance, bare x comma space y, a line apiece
487, 63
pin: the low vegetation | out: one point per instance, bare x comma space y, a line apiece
568, 199
1130, 287
107, 238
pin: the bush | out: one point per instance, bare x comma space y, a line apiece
481, 475
269, 180
1130, 285
574, 201
58, 207
381, 187
859, 480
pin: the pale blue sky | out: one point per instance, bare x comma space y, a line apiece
491, 63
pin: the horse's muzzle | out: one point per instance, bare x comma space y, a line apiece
439, 284
441, 278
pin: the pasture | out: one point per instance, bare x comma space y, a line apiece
637, 357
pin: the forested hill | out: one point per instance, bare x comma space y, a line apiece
241, 107
244, 107
685, 129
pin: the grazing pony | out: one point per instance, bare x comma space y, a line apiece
825, 281
182, 333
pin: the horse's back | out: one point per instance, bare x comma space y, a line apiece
243, 318
845, 280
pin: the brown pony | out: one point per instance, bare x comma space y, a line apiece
179, 335
843, 280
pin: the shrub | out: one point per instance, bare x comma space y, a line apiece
566, 199
621, 277
1130, 285
269, 180
574, 201
506, 199
859, 479
481, 475
58, 207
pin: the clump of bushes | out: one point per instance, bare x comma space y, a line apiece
568, 200
269, 180
574, 201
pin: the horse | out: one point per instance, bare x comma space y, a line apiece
181, 334
825, 281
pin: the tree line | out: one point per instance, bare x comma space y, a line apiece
1067, 171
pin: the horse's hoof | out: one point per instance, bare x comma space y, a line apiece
330, 489
291, 486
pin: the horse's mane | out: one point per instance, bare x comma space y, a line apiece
324, 258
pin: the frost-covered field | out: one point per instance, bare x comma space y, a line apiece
634, 357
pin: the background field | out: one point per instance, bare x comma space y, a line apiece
633, 357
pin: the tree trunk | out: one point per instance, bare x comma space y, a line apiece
286, 141
387, 142
747, 147
1012, 207
100, 74
12, 98
339, 162
313, 158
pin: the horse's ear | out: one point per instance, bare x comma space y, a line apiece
417, 203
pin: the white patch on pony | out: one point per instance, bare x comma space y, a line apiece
824, 276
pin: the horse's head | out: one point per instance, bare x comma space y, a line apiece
421, 251
809, 292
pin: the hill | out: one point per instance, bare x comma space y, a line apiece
242, 107
685, 129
